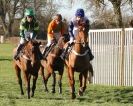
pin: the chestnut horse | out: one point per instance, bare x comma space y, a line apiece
54, 63
29, 64
78, 61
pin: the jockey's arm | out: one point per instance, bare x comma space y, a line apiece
87, 28
22, 28
50, 33
62, 31
70, 29
36, 29
87, 25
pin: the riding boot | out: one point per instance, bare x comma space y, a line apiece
63, 55
90, 53
40, 55
19, 48
45, 52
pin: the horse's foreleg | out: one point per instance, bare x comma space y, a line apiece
53, 82
34, 84
60, 81
43, 79
27, 83
18, 73
47, 77
72, 82
82, 80
85, 80
80, 93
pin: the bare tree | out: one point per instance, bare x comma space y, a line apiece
116, 7
8, 10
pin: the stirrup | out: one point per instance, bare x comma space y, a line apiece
16, 57
62, 57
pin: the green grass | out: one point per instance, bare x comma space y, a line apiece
95, 95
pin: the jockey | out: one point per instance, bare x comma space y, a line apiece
56, 29
27, 25
73, 30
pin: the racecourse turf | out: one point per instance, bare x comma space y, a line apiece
95, 95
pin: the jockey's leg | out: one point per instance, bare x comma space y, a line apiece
47, 49
89, 52
45, 52
19, 48
63, 55
40, 55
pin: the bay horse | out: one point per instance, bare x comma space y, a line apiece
29, 64
54, 64
78, 61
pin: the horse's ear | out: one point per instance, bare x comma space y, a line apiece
40, 43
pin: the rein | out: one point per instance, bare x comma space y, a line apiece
79, 54
81, 42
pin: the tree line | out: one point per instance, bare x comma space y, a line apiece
12, 11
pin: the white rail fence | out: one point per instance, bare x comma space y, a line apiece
106, 45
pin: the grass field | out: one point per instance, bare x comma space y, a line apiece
95, 95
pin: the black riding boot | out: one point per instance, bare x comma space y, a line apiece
45, 52
19, 48
63, 55
89, 52
40, 55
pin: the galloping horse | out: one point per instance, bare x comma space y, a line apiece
78, 61
29, 63
54, 63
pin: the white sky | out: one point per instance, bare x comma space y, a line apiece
67, 10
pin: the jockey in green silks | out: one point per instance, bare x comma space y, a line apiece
28, 28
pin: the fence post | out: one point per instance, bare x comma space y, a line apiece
2, 39
122, 57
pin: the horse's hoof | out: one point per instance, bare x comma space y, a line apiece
73, 96
32, 95
80, 93
52, 91
60, 91
46, 90
22, 93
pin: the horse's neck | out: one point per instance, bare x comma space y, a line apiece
55, 50
78, 48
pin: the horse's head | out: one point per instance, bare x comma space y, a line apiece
63, 40
31, 50
82, 34
58, 48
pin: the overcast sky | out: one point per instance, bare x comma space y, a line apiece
67, 10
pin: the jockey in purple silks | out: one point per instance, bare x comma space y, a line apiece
73, 30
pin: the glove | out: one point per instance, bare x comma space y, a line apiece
71, 40
22, 34
32, 35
